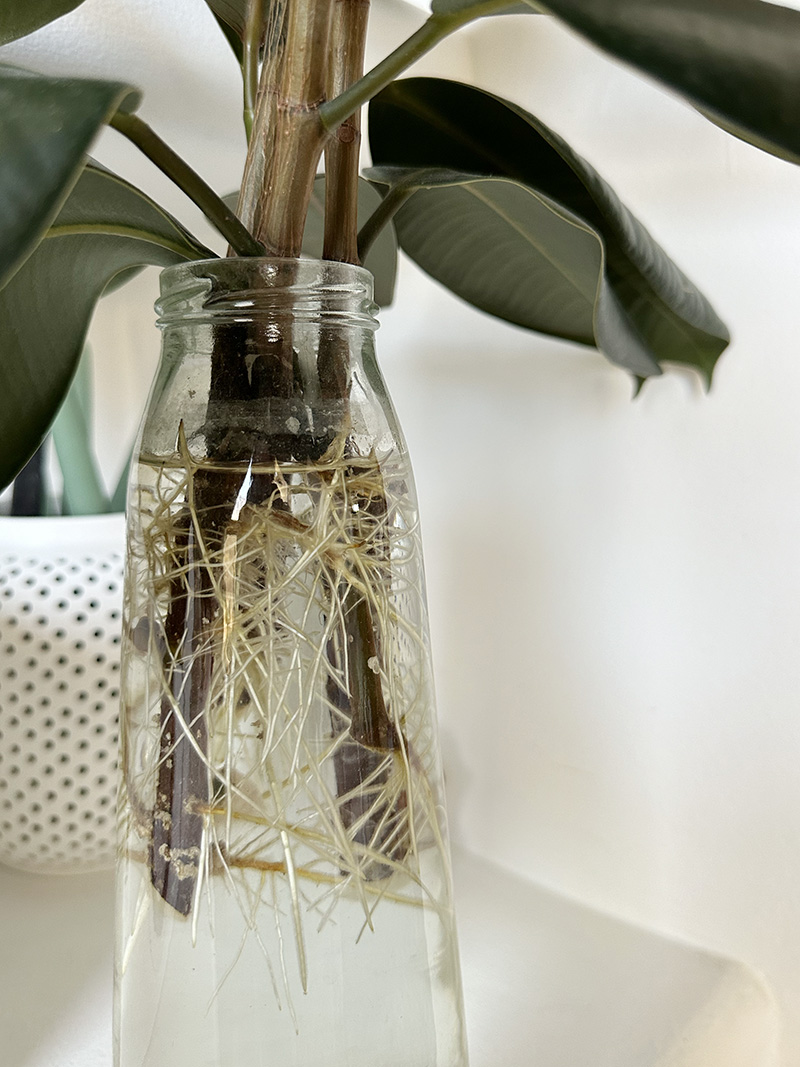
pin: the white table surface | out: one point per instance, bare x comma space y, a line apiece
548, 982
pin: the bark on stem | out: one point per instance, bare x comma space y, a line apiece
348, 42
433, 30
288, 136
262, 135
365, 761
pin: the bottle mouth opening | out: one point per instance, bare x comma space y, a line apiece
241, 290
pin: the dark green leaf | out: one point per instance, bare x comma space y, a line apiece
46, 127
21, 17
738, 61
233, 39
105, 227
545, 205
232, 13
381, 259
517, 255
476, 9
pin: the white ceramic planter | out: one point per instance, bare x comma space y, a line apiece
60, 608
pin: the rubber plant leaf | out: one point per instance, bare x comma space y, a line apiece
232, 13
517, 255
467, 10
511, 219
105, 228
737, 61
46, 128
233, 39
18, 18
232, 18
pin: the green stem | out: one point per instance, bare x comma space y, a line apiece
390, 205
250, 55
434, 30
214, 208
295, 143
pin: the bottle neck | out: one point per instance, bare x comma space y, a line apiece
277, 343
238, 291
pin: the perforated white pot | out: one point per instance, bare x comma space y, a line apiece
60, 607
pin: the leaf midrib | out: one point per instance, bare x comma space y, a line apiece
569, 278
642, 286
116, 230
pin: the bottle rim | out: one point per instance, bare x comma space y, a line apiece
243, 289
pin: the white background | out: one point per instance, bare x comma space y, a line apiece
614, 584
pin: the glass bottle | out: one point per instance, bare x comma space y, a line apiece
284, 889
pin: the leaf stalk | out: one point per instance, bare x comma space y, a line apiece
390, 205
432, 31
250, 56
178, 170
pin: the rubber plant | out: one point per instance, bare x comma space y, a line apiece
489, 201
444, 154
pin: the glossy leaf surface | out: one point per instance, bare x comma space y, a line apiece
518, 224
476, 9
232, 17
232, 12
46, 128
233, 39
106, 227
517, 255
738, 61
18, 18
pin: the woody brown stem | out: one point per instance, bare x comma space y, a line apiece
262, 134
348, 42
182, 786
288, 137
315, 48
354, 651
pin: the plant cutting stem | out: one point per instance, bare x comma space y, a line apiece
288, 137
434, 30
261, 140
348, 42
354, 650
311, 52
168, 161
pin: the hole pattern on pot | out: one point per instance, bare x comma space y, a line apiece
59, 710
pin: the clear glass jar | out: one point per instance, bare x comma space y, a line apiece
284, 890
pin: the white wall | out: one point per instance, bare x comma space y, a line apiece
614, 584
